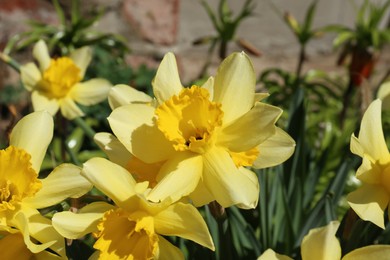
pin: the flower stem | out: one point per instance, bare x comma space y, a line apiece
87, 129
9, 61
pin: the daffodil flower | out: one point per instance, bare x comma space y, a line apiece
322, 244
133, 227
204, 136
56, 84
371, 199
22, 193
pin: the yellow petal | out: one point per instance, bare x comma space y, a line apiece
201, 196
134, 125
41, 102
167, 251
255, 182
235, 86
321, 243
115, 150
167, 81
69, 109
110, 178
369, 172
209, 85
227, 183
76, 225
384, 95
251, 129
169, 222
82, 57
369, 203
33, 133
260, 96
356, 147
90, 92
371, 134
41, 54
270, 254
377, 252
63, 182
121, 95
275, 150
178, 177
30, 75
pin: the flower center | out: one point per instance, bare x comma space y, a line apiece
189, 119
60, 77
123, 235
246, 158
18, 179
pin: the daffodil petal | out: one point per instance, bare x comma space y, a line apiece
121, 95
41, 102
369, 172
355, 146
178, 177
167, 81
76, 225
63, 182
134, 125
41, 54
371, 134
167, 251
275, 150
110, 178
321, 243
33, 133
69, 109
251, 129
30, 75
46, 255
234, 86
227, 183
270, 254
201, 195
209, 85
377, 252
260, 96
115, 150
369, 203
12, 246
82, 57
90, 92
183, 220
384, 95
255, 182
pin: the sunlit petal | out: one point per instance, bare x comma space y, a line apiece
41, 54
82, 57
209, 85
90, 92
201, 195
270, 254
115, 150
69, 109
30, 75
369, 172
167, 251
121, 95
41, 102
377, 252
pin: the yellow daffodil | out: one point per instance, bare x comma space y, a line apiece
22, 193
371, 199
56, 84
132, 228
384, 95
203, 136
322, 244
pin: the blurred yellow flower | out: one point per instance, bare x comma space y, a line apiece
371, 199
203, 136
132, 228
56, 83
384, 95
22, 193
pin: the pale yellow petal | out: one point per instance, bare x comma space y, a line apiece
270, 254
46, 255
90, 92
30, 75
121, 95
76, 225
178, 177
355, 146
371, 134
41, 54
275, 150
135, 127
322, 243
41, 102
201, 195
69, 109
227, 183
167, 251
377, 252
110, 178
167, 81
251, 129
183, 220
255, 182
33, 133
369, 172
260, 96
209, 85
235, 86
369, 203
384, 95
82, 57
65, 181
115, 150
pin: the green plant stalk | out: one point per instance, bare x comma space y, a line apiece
83, 125
9, 61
